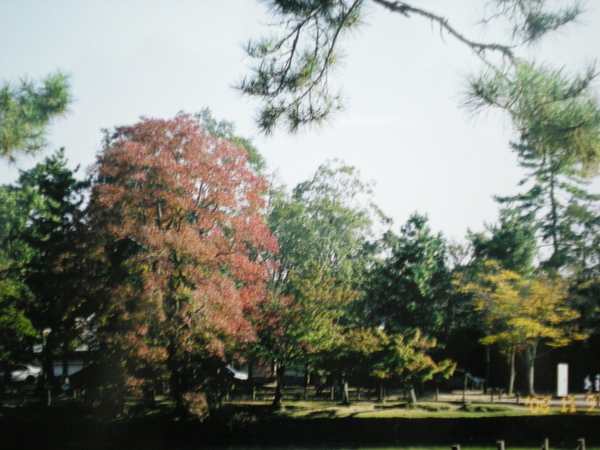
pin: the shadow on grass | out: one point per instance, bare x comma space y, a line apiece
328, 414
71, 425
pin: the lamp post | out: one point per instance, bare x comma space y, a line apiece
45, 332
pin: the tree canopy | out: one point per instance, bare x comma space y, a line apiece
178, 221
16, 331
25, 111
53, 202
409, 288
520, 314
323, 229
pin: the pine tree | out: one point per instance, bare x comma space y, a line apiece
54, 230
26, 110
410, 288
563, 212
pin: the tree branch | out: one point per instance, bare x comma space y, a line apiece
477, 47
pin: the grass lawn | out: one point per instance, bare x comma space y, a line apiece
396, 409
307, 424
476, 405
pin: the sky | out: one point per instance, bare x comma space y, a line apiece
402, 127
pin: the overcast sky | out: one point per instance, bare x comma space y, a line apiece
402, 127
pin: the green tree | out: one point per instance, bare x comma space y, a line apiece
17, 334
27, 109
53, 201
226, 130
512, 243
561, 209
298, 327
410, 288
323, 230
404, 358
327, 222
348, 357
557, 118
556, 115
585, 298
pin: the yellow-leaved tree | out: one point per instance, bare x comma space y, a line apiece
521, 313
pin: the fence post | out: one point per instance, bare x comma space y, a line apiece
581, 444
546, 444
500, 445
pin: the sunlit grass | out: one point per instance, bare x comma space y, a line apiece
401, 409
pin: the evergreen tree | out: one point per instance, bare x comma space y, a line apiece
17, 334
292, 74
410, 288
512, 243
26, 110
563, 212
53, 201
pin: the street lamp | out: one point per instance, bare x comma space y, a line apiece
45, 333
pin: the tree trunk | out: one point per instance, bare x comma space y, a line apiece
306, 381
381, 398
530, 355
251, 389
488, 360
513, 371
175, 379
65, 361
345, 394
48, 368
554, 213
279, 372
413, 396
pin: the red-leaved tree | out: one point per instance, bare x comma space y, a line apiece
178, 220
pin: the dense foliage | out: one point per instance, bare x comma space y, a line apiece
176, 259
185, 260
25, 111
177, 220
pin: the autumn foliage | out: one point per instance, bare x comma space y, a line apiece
520, 314
179, 226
